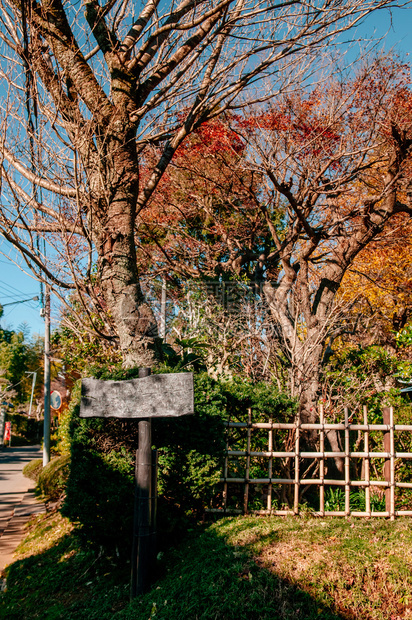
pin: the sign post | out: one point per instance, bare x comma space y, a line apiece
143, 511
163, 395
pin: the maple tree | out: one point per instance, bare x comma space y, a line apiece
379, 282
342, 179
202, 201
342, 188
330, 169
89, 97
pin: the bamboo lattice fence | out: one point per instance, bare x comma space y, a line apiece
389, 483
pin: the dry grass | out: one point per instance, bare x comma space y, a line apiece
43, 533
309, 564
361, 569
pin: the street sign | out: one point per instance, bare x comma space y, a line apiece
55, 400
164, 395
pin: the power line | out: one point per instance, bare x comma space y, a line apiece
12, 289
9, 387
8, 315
21, 301
6, 283
7, 300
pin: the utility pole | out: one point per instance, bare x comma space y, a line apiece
163, 310
32, 388
46, 428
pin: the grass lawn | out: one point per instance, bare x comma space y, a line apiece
236, 568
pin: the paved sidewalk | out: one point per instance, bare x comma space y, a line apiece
17, 500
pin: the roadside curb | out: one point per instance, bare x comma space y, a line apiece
15, 529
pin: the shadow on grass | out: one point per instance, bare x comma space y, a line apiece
202, 579
65, 581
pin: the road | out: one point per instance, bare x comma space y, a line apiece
13, 485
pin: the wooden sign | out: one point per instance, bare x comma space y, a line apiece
166, 395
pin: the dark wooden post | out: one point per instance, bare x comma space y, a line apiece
142, 522
387, 465
153, 527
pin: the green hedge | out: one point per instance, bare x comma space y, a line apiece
53, 477
191, 449
33, 469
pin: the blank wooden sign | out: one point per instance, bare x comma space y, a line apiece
154, 396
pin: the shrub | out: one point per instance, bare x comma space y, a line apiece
335, 500
25, 430
190, 449
53, 477
33, 469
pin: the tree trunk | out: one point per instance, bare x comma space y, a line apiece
308, 407
304, 347
117, 265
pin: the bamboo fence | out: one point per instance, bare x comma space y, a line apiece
389, 483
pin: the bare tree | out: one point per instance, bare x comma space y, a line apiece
86, 89
340, 171
336, 164
225, 321
321, 175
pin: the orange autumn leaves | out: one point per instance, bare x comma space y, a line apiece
202, 201
381, 277
328, 151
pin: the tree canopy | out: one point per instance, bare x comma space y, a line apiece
96, 101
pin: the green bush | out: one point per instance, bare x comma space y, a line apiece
190, 448
100, 491
33, 469
53, 477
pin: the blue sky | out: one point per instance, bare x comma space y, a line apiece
16, 286
399, 33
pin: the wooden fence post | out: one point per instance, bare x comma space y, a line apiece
387, 465
322, 463
247, 473
347, 464
297, 472
366, 464
153, 515
392, 465
225, 472
270, 472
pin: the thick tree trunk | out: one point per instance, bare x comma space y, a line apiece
309, 369
308, 388
304, 348
309, 413
117, 266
